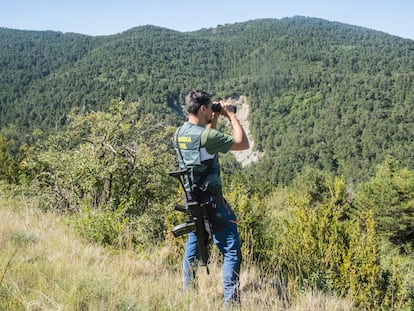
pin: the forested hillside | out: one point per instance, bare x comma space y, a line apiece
85, 133
333, 96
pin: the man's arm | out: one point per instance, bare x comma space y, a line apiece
240, 138
213, 123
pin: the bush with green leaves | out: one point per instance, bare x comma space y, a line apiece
102, 161
390, 194
312, 236
7, 163
12, 160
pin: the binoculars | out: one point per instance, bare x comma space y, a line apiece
217, 107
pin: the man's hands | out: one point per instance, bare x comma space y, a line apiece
240, 139
227, 109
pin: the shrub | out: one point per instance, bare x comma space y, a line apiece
324, 243
112, 168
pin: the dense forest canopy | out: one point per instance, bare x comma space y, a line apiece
329, 95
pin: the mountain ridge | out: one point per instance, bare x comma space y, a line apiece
302, 76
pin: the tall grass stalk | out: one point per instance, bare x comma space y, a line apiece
54, 269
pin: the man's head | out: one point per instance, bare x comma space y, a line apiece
195, 99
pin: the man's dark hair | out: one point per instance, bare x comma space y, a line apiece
195, 99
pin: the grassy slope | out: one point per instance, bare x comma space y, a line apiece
44, 265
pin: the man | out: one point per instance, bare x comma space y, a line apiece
197, 144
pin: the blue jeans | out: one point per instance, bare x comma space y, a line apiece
228, 242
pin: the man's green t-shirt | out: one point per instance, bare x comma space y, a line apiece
215, 141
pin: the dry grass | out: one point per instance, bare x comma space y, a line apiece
51, 268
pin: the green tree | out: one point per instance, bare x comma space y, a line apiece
112, 163
390, 194
316, 239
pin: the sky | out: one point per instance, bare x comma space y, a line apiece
105, 17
